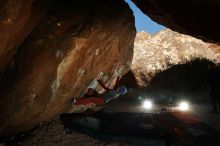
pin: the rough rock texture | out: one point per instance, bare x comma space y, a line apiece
67, 51
199, 18
17, 20
160, 51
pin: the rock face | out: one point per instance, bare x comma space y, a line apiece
160, 51
199, 18
17, 20
62, 57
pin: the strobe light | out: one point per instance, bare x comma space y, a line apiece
183, 106
147, 104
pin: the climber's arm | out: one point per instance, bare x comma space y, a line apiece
103, 85
117, 83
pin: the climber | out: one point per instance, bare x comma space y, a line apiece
93, 97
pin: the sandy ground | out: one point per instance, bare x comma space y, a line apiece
53, 134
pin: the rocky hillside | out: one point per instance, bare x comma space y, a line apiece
154, 53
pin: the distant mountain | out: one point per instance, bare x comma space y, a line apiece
153, 53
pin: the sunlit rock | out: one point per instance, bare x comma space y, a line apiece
166, 48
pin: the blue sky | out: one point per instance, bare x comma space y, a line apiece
143, 22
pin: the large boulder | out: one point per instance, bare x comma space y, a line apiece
75, 43
199, 18
17, 19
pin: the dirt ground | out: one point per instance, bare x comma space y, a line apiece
53, 133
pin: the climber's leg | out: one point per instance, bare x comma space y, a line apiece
90, 100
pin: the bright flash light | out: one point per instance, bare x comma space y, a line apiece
183, 106
147, 104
